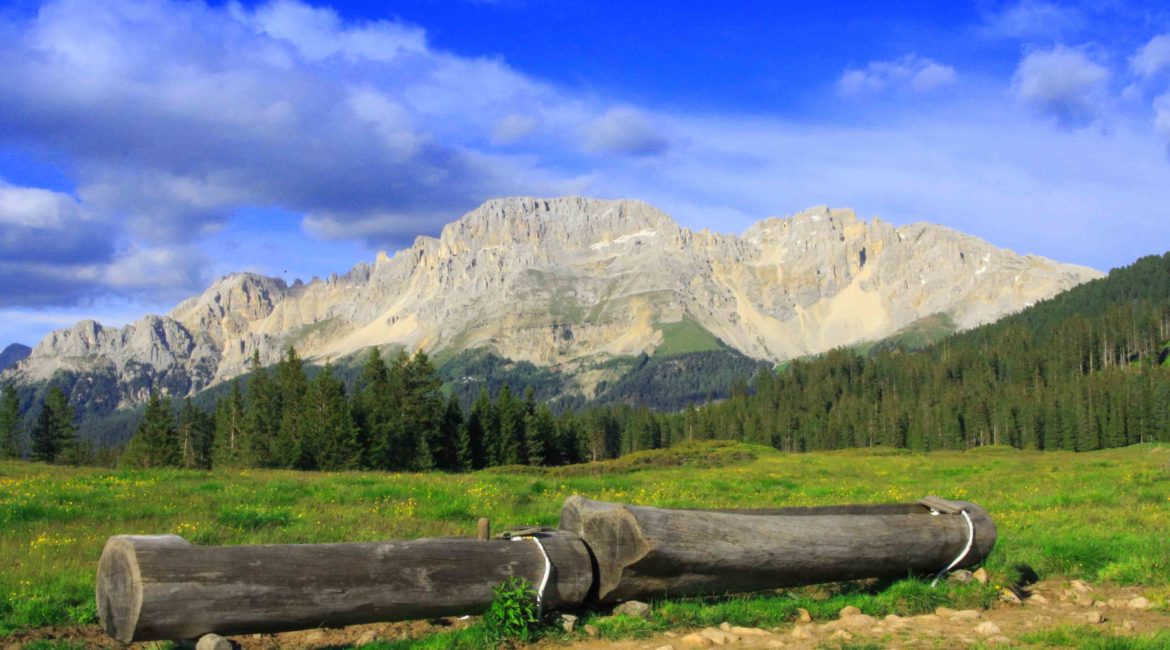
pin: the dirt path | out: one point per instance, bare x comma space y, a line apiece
1115, 610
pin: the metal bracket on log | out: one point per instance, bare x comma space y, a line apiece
162, 587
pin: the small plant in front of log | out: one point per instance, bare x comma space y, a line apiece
513, 615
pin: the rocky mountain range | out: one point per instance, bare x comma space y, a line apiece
569, 283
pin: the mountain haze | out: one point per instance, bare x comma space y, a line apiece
570, 282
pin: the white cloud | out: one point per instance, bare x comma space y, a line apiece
513, 127
1062, 82
1162, 116
177, 271
318, 33
1032, 19
909, 72
1153, 58
627, 131
32, 207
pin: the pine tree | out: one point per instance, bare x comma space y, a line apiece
196, 433
10, 427
54, 431
510, 412
473, 438
450, 428
156, 441
232, 448
330, 436
378, 413
422, 403
540, 429
261, 419
292, 384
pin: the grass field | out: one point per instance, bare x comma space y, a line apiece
685, 336
1101, 516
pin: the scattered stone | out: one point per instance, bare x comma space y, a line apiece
1118, 603
665, 647
725, 626
987, 629
1080, 586
927, 618
960, 577
803, 616
634, 609
670, 634
1128, 625
569, 622
1037, 599
966, 615
1084, 601
717, 637
747, 631
981, 576
1100, 604
213, 642
774, 644
696, 639
944, 612
848, 610
368, 637
894, 622
1095, 618
802, 632
1138, 603
841, 635
859, 620
1010, 597
591, 630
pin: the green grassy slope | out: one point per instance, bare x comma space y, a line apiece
1100, 516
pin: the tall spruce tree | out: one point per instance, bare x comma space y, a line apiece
289, 449
10, 425
232, 447
422, 404
329, 435
156, 441
450, 428
54, 431
262, 419
196, 433
473, 438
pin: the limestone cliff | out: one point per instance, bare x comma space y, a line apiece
565, 281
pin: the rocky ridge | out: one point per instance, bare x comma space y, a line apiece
567, 281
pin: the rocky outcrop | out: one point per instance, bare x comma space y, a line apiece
567, 281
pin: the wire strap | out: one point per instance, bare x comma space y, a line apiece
547, 573
966, 549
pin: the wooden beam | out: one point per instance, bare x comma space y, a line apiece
645, 552
161, 587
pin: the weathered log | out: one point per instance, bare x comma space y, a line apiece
644, 552
162, 587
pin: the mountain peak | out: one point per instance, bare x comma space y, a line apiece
573, 281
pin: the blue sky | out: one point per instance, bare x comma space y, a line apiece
149, 147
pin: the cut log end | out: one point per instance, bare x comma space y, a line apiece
119, 582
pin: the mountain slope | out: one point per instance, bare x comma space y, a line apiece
567, 282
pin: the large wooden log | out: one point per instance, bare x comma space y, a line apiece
644, 552
162, 587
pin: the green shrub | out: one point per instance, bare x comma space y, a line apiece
512, 616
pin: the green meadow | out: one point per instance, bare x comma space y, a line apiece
1102, 516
